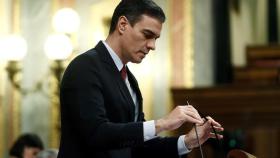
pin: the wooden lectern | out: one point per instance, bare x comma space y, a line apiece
239, 154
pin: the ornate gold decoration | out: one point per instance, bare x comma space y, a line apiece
188, 44
57, 69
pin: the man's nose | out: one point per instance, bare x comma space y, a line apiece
151, 44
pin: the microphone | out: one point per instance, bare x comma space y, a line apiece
197, 137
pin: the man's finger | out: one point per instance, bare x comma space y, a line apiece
212, 135
219, 129
215, 123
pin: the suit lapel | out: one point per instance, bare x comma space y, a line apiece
116, 76
136, 89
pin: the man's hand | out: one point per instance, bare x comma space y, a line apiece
204, 132
177, 117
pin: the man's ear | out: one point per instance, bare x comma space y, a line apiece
122, 24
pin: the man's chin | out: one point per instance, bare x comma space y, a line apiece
138, 61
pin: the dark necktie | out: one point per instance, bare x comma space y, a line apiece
123, 72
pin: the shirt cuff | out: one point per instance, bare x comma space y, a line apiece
149, 130
182, 147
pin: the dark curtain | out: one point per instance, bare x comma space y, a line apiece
222, 54
272, 21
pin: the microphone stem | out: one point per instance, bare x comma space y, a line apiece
200, 148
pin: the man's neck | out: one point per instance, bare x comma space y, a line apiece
116, 46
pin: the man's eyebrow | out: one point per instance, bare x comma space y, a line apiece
151, 32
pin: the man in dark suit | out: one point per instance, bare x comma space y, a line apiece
101, 104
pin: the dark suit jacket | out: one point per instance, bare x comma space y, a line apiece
97, 112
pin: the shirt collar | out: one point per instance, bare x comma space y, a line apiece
114, 56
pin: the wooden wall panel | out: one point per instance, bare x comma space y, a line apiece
254, 109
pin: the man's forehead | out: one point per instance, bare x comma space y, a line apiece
150, 24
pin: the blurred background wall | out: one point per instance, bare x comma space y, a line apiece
201, 42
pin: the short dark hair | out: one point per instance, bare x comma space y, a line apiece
25, 140
134, 9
